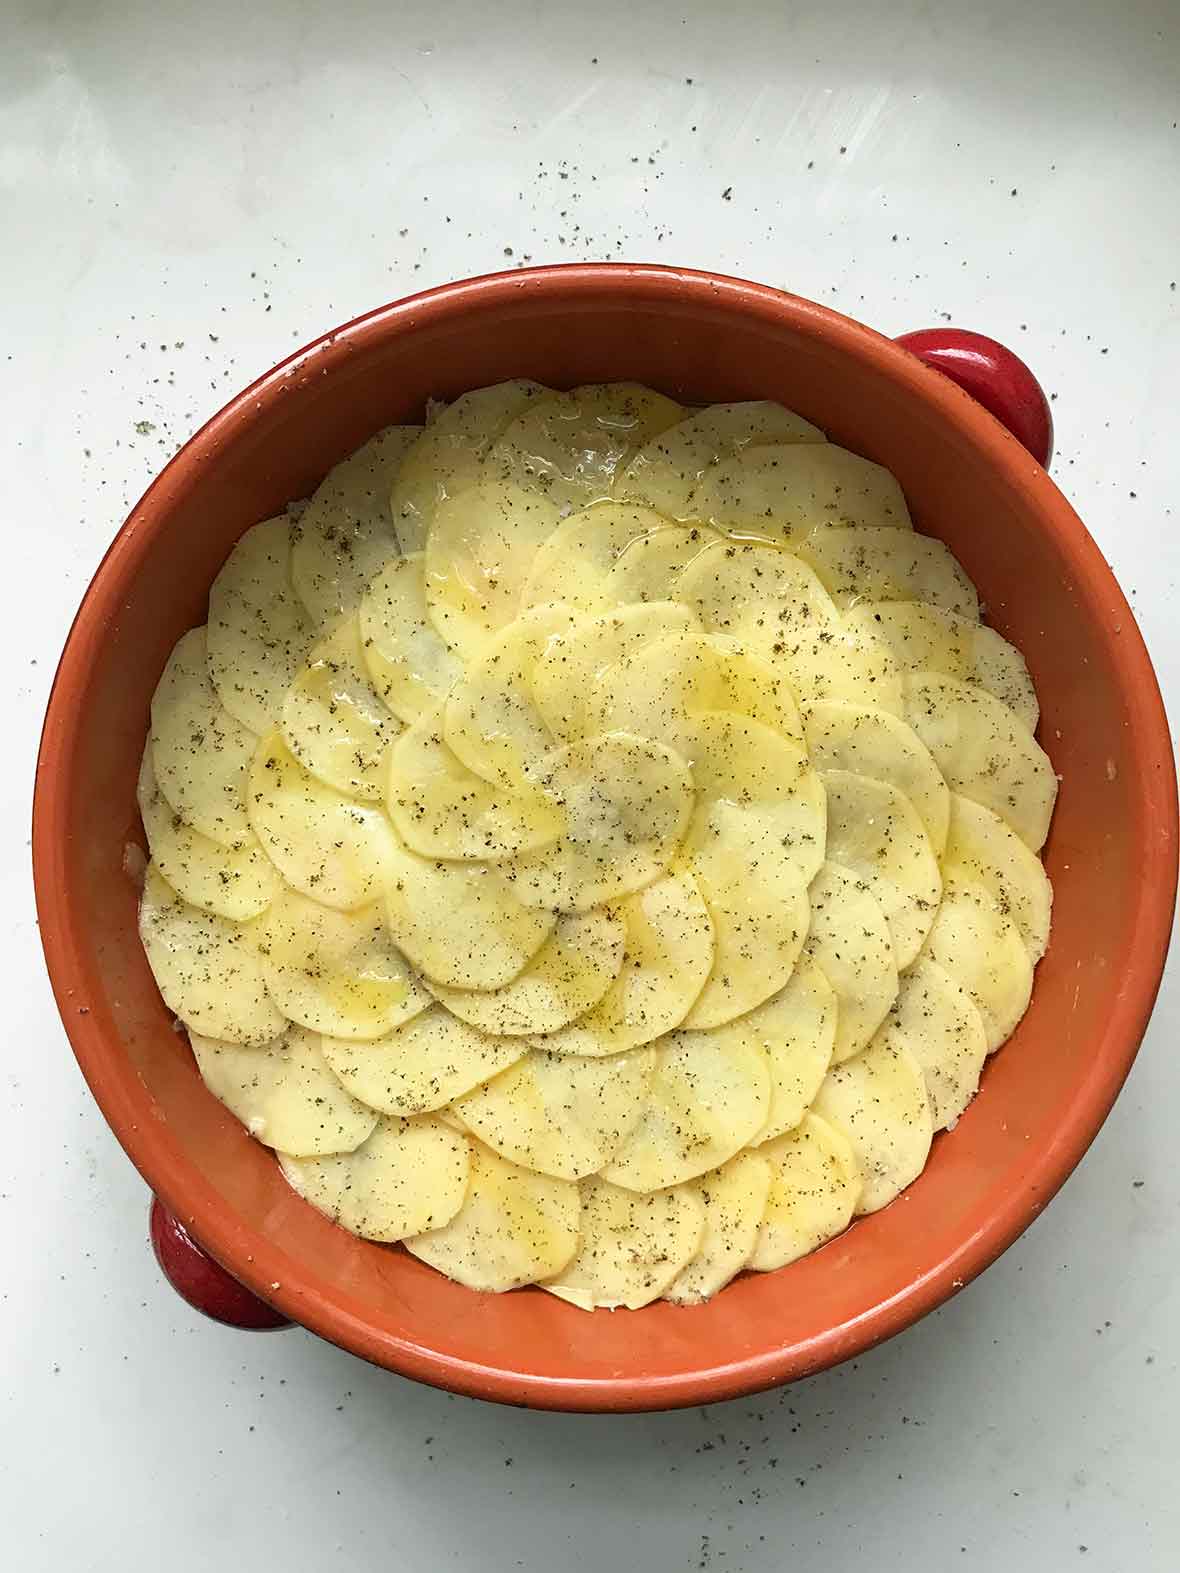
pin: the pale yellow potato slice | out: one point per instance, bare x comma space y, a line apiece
345, 534
571, 447
284, 1093
460, 923
478, 555
654, 695
782, 494
335, 972
977, 942
448, 457
200, 753
233, 882
631, 1247
668, 472
626, 804
205, 967
560, 1114
815, 1183
875, 563
737, 679
574, 565
875, 833
797, 1028
926, 638
668, 954
408, 1176
870, 742
412, 668
259, 633
759, 926
327, 845
332, 720
735, 1198
443, 810
708, 1097
513, 1227
981, 847
935, 1019
984, 751
878, 1101
567, 977
849, 941
649, 568
422, 1065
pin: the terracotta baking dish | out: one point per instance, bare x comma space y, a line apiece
1111, 853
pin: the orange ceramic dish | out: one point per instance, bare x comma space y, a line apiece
1111, 853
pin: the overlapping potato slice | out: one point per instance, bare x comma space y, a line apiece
626, 804
443, 810
977, 942
814, 1187
926, 638
408, 1176
259, 634
332, 720
345, 534
560, 1114
204, 967
843, 736
324, 843
734, 678
984, 751
581, 562
668, 954
797, 1029
412, 668
759, 926
335, 972
981, 847
233, 882
935, 1019
631, 1247
875, 563
735, 1198
708, 1097
849, 941
875, 833
570, 447
421, 1065
284, 1093
567, 977
200, 753
448, 457
514, 1227
878, 1101
785, 493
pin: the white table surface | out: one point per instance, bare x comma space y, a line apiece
186, 193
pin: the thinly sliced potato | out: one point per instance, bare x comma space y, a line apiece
284, 1093
735, 1198
649, 568
935, 1019
411, 666
878, 1100
259, 634
235, 883
815, 1183
575, 565
737, 679
345, 534
560, 1114
849, 940
868, 563
708, 1097
448, 457
797, 1028
631, 1247
977, 942
443, 810
422, 1065
567, 977
783, 494
324, 843
204, 967
759, 926
201, 755
513, 1228
981, 847
984, 752
332, 720
335, 972
668, 954
408, 1176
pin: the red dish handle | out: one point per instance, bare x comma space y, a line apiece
197, 1278
990, 373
